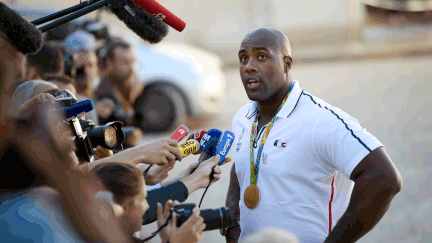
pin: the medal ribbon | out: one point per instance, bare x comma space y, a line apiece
255, 168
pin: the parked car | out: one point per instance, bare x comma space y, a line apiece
181, 81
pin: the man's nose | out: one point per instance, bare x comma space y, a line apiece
250, 67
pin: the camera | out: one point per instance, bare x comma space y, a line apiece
218, 218
87, 136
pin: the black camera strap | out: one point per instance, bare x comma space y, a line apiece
157, 231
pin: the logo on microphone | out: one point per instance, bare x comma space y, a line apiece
204, 139
197, 134
159, 16
278, 143
227, 146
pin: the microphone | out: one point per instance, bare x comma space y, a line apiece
197, 136
181, 132
144, 24
24, 36
209, 144
161, 13
188, 147
77, 109
82, 139
224, 146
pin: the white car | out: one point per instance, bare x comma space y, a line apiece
181, 81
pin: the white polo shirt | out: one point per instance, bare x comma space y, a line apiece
307, 161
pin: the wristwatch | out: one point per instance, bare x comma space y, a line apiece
234, 223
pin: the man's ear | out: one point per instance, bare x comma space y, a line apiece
287, 63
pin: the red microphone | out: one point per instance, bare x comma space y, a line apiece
181, 132
197, 136
160, 12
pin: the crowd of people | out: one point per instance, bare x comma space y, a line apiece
47, 194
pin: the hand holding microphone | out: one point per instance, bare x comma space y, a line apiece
181, 132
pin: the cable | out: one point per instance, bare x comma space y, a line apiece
211, 178
157, 231
147, 170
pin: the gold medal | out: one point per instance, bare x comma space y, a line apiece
252, 196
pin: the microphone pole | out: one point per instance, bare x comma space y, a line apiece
62, 13
83, 9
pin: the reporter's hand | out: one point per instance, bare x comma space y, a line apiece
181, 175
161, 152
162, 217
200, 178
102, 152
157, 173
39, 99
189, 231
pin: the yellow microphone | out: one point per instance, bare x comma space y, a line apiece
188, 147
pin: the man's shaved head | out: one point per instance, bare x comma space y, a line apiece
275, 39
265, 63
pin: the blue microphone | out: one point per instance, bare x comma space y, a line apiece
209, 143
225, 142
77, 109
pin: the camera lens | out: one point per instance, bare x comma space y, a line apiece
110, 136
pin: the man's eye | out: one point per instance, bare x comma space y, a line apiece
243, 59
262, 56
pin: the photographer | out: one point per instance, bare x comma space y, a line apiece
127, 184
80, 47
48, 61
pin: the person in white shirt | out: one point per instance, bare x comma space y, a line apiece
301, 164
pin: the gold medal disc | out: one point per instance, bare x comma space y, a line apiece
252, 196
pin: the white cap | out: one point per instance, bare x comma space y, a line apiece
80, 41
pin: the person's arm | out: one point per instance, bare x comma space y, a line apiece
176, 191
377, 181
232, 202
180, 190
160, 152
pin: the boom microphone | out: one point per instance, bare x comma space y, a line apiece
224, 146
145, 25
25, 37
197, 136
77, 109
209, 144
161, 13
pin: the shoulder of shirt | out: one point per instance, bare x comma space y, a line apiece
242, 112
325, 112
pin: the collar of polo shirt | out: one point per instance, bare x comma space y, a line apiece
287, 109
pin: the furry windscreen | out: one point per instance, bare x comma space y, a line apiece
25, 37
139, 21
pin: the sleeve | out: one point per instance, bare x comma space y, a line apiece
341, 142
157, 186
175, 191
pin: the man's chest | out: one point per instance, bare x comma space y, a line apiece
287, 148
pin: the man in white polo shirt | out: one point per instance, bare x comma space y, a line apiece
301, 164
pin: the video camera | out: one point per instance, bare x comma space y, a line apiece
87, 136
218, 218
